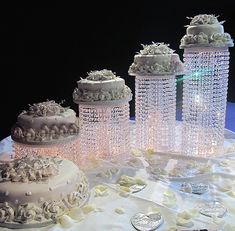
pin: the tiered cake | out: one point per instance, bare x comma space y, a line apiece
36, 190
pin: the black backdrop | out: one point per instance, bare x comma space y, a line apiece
44, 51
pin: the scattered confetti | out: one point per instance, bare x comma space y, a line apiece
119, 211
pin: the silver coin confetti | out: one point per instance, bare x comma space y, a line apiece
137, 187
195, 188
143, 222
212, 209
199, 188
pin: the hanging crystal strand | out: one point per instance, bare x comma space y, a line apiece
104, 114
104, 129
155, 112
206, 59
155, 69
67, 150
204, 100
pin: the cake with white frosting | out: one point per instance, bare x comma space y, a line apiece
35, 191
101, 86
156, 59
45, 123
205, 30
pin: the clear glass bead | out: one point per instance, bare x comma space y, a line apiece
204, 101
104, 130
155, 111
67, 150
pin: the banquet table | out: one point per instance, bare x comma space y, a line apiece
163, 175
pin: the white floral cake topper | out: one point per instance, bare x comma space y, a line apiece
156, 49
101, 75
203, 19
47, 108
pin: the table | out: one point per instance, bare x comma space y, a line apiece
163, 175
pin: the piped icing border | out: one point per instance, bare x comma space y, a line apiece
47, 134
80, 95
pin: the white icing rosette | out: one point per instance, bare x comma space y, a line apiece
28, 212
6, 212
53, 209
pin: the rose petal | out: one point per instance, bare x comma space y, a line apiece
65, 221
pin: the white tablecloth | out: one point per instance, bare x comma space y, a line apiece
163, 174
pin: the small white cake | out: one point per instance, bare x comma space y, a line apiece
45, 123
156, 59
101, 87
205, 31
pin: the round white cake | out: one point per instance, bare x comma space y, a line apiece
156, 59
101, 87
205, 31
35, 191
45, 122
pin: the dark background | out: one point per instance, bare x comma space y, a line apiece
44, 51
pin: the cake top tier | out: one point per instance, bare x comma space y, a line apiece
203, 19
205, 30
156, 59
101, 87
156, 49
48, 108
29, 168
102, 75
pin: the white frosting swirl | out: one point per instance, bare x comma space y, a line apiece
6, 212
53, 209
27, 213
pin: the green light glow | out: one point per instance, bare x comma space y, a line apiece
193, 75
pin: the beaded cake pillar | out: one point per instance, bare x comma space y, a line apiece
46, 128
103, 100
155, 69
206, 59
